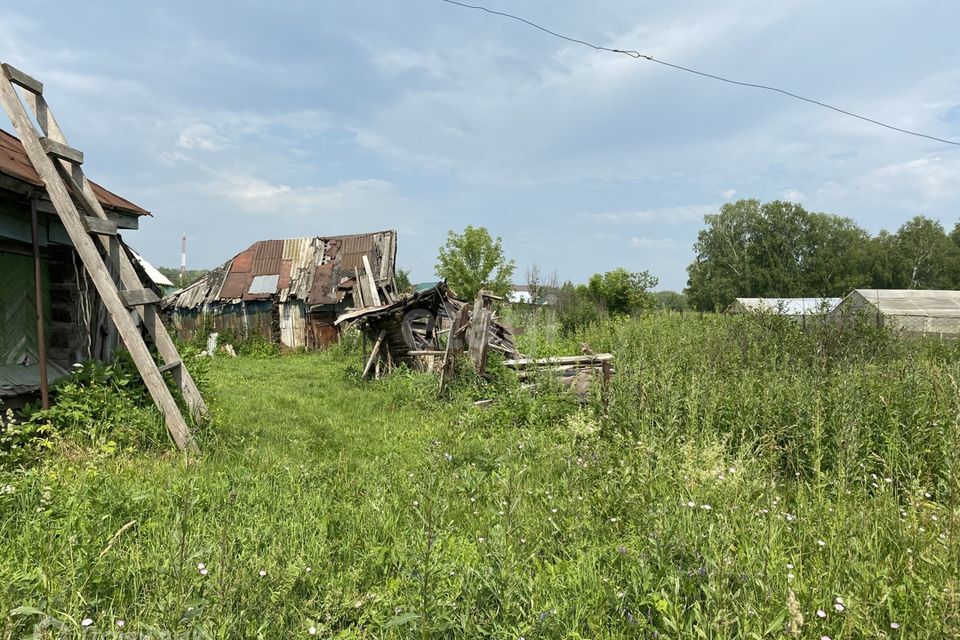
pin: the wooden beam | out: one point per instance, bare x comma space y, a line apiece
374, 354
100, 227
357, 289
22, 79
535, 362
139, 297
373, 283
62, 151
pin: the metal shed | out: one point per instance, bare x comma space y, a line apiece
921, 312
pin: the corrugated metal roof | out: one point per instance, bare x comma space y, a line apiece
930, 303
787, 306
264, 285
317, 270
15, 163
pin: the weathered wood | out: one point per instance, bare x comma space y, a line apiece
478, 335
62, 151
374, 354
139, 297
537, 362
455, 345
22, 79
357, 288
85, 248
426, 353
170, 366
99, 227
374, 294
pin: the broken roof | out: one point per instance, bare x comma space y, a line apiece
930, 303
15, 163
317, 270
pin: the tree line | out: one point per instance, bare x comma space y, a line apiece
779, 249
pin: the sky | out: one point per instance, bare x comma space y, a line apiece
249, 120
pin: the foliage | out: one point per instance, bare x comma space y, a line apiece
189, 276
671, 300
577, 308
474, 260
746, 473
623, 292
402, 279
778, 249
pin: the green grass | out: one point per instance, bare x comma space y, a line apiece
377, 511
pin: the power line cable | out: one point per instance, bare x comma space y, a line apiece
649, 58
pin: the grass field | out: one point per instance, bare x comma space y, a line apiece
746, 480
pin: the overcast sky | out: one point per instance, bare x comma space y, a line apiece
241, 121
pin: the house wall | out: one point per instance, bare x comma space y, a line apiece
244, 320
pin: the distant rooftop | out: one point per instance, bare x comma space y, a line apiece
786, 306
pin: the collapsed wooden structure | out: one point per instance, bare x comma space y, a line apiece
423, 327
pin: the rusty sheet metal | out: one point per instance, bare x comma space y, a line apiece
15, 163
266, 259
284, 281
322, 291
295, 263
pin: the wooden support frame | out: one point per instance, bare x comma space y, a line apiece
59, 172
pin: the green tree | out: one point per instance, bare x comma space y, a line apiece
402, 280
775, 249
474, 260
926, 254
671, 300
622, 292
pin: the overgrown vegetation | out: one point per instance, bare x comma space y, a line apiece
749, 478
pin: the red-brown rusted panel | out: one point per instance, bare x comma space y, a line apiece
285, 266
235, 285
322, 285
266, 261
243, 263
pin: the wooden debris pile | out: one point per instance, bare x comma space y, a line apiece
427, 327
577, 373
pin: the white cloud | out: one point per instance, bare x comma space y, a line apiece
792, 195
663, 215
729, 193
652, 243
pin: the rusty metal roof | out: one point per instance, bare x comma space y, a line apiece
318, 270
15, 163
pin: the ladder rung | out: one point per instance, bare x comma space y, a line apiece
20, 78
59, 150
99, 226
139, 297
170, 366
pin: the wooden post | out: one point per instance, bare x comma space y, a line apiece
38, 289
455, 344
478, 336
374, 354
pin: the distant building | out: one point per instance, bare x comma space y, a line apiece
291, 291
520, 294
792, 307
910, 311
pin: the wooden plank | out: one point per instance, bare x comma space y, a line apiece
357, 288
373, 283
99, 274
139, 297
455, 345
170, 366
100, 227
22, 79
478, 335
536, 362
62, 151
374, 354
425, 353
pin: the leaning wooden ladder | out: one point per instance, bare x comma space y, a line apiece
59, 167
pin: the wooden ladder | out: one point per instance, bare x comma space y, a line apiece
58, 165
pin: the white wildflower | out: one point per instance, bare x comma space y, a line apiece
86, 622
312, 630
262, 572
821, 613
